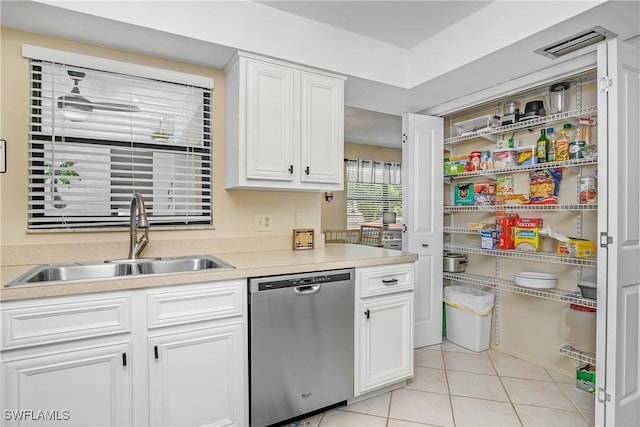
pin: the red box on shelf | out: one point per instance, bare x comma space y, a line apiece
529, 222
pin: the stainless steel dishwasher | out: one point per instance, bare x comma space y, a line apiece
301, 344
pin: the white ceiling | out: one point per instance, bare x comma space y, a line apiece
399, 56
401, 23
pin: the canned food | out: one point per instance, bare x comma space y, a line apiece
485, 160
588, 190
475, 160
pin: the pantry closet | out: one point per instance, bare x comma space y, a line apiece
528, 323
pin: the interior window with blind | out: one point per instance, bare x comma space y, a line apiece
374, 191
96, 137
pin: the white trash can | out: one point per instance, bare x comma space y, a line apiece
468, 312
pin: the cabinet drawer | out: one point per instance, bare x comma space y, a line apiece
384, 279
27, 324
195, 303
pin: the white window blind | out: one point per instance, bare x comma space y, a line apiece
373, 187
96, 137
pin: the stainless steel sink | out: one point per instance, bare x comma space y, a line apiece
47, 273
74, 271
181, 264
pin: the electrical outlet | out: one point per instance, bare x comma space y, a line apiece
264, 222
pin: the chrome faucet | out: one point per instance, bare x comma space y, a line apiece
138, 219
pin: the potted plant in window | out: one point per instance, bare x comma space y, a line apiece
61, 180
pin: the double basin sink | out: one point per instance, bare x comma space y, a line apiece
118, 268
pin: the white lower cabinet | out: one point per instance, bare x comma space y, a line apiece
170, 356
384, 327
196, 377
81, 385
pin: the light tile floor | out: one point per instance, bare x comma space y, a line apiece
454, 386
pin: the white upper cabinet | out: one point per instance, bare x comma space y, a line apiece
284, 126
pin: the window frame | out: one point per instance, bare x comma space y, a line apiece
202, 156
362, 179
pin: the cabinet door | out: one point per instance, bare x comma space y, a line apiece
422, 148
197, 377
78, 387
321, 129
270, 101
385, 342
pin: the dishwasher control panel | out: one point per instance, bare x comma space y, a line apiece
275, 283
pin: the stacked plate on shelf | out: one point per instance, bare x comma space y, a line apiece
532, 279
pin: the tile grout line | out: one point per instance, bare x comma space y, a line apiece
505, 390
446, 376
570, 399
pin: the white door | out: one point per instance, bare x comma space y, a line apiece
618, 362
270, 121
385, 342
196, 377
422, 174
321, 129
84, 386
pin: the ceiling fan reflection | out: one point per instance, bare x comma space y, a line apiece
77, 108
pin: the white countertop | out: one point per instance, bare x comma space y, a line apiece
247, 264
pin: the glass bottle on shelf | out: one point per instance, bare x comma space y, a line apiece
551, 149
541, 146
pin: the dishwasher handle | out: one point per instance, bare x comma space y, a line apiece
306, 289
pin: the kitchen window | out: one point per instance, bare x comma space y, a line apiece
96, 136
373, 187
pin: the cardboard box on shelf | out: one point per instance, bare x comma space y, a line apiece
484, 194
505, 231
577, 248
504, 184
464, 194
526, 234
488, 239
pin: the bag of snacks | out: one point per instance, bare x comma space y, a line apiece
544, 186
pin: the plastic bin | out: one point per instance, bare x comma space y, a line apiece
468, 312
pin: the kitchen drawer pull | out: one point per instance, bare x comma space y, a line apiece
389, 281
425, 245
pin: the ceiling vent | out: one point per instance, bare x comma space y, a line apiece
571, 44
